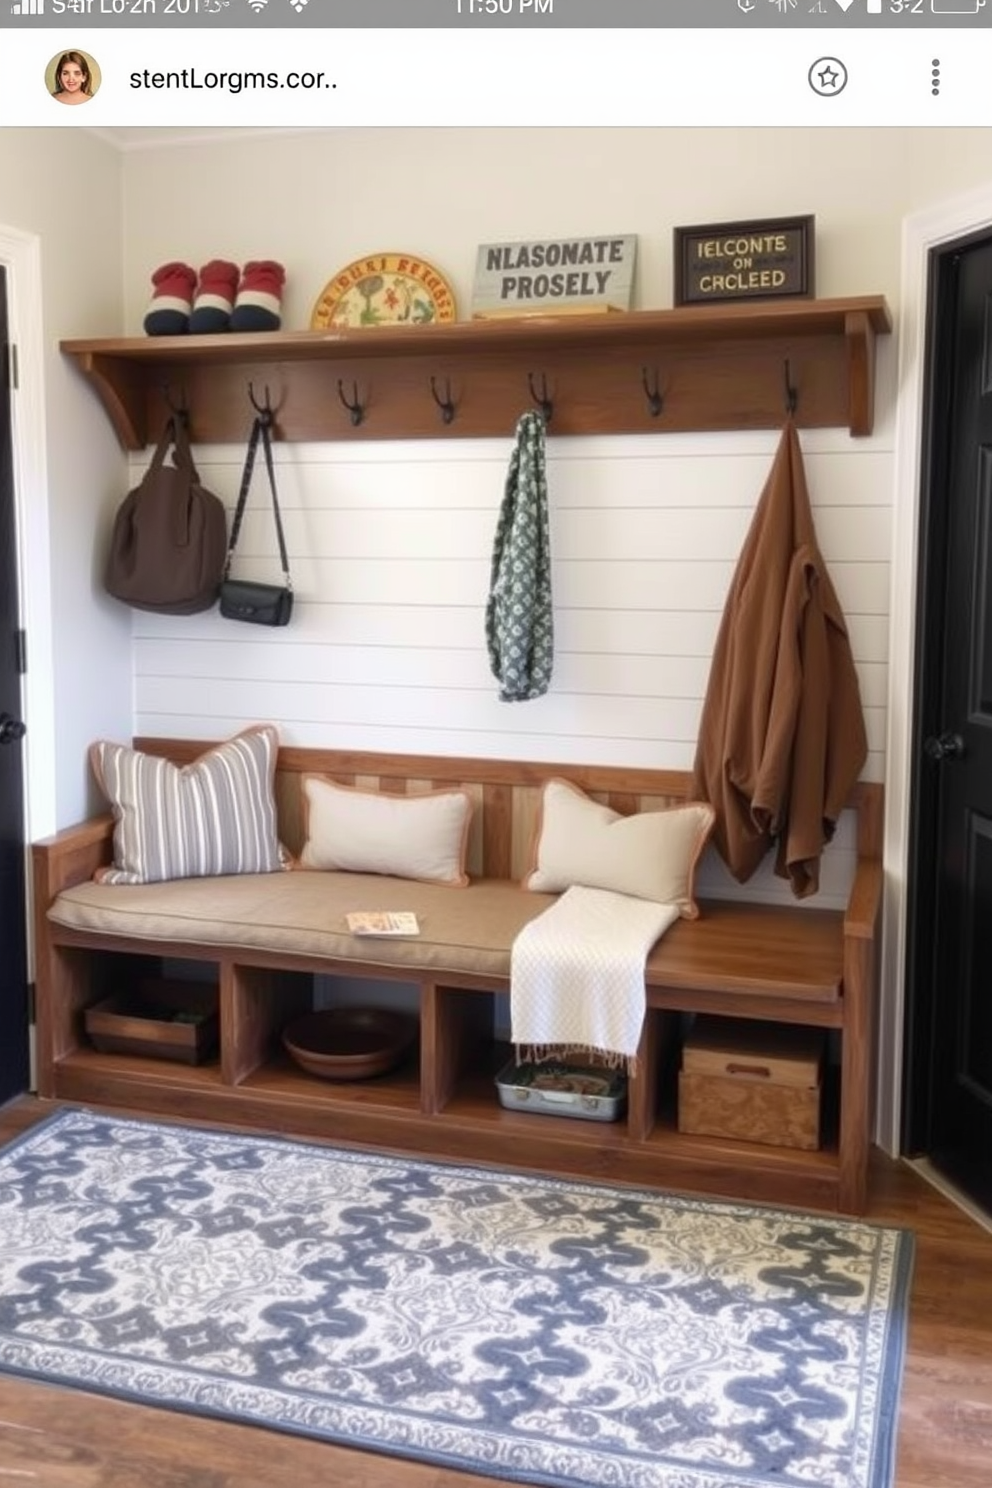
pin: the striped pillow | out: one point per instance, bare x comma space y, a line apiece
217, 815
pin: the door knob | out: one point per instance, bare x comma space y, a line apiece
941, 747
11, 729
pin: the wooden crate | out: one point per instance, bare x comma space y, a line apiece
160, 1018
757, 1082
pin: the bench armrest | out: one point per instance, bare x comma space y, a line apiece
70, 857
864, 904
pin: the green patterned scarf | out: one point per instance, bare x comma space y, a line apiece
519, 623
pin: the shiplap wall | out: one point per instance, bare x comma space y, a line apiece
390, 548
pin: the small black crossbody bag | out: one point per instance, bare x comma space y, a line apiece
244, 599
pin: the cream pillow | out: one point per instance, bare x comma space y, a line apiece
215, 816
651, 855
360, 831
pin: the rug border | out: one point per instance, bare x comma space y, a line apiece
882, 1469
881, 1463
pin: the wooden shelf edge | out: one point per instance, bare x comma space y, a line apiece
717, 368
691, 322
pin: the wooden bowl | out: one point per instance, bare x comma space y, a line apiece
351, 1043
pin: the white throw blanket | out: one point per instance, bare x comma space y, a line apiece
577, 975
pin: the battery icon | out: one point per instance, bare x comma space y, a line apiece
874, 7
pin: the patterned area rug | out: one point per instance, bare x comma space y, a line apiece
536, 1331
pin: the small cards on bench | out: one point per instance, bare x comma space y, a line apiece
383, 922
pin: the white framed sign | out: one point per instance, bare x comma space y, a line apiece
560, 274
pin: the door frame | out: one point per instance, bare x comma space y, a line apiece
20, 255
936, 227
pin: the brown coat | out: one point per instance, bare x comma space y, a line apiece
782, 735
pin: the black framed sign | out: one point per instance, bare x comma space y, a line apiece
767, 259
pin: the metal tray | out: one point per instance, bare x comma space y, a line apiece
581, 1091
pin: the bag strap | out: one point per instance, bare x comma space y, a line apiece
239, 509
265, 422
183, 454
174, 436
259, 433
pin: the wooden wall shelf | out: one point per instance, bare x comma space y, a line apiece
714, 367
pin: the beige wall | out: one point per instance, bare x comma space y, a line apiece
392, 542
64, 188
316, 200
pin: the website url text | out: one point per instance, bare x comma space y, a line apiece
229, 82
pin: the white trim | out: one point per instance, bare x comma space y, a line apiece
20, 254
922, 232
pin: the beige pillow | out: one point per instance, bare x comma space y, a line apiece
360, 831
651, 855
215, 816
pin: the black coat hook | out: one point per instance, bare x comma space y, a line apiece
264, 410
651, 392
541, 398
791, 392
355, 408
178, 410
446, 404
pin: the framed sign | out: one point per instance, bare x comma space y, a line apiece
771, 258
557, 276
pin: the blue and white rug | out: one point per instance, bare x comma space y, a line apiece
525, 1328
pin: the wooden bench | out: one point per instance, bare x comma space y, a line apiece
779, 963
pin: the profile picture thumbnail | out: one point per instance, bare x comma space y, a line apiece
72, 77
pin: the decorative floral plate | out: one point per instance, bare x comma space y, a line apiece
384, 289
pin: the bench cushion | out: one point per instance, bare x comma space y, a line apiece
465, 933
732, 947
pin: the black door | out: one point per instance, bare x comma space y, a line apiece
13, 962
950, 962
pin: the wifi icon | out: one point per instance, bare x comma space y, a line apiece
845, 5
257, 5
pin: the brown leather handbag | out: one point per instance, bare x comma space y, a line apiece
169, 538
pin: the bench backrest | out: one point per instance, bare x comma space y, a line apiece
507, 793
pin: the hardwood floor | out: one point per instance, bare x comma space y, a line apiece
52, 1437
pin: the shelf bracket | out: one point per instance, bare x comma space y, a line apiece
122, 394
860, 338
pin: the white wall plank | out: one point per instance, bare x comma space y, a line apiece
390, 550
599, 673
592, 630
673, 534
